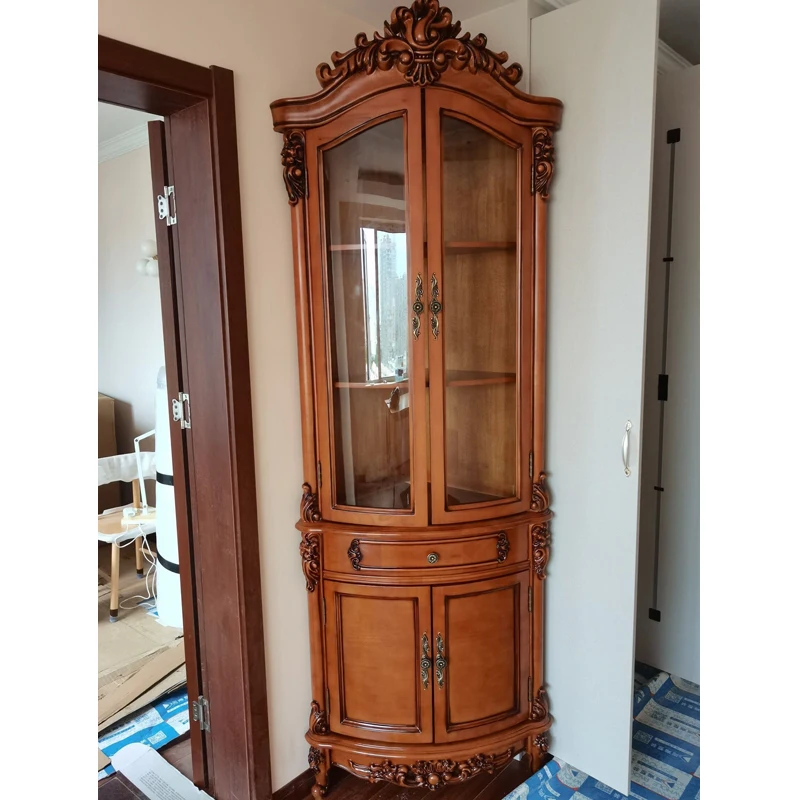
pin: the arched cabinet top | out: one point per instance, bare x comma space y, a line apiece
421, 46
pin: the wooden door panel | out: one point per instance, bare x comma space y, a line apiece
486, 642
374, 653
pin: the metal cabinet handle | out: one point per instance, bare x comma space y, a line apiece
425, 662
435, 306
433, 558
626, 444
441, 661
418, 307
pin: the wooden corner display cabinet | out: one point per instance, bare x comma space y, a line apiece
418, 180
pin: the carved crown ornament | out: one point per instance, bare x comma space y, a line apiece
421, 42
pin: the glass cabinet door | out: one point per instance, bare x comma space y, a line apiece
479, 338
367, 288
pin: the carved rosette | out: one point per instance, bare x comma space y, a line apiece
309, 507
539, 709
314, 759
432, 774
540, 539
309, 552
542, 743
421, 42
317, 722
543, 157
503, 546
354, 554
293, 158
540, 499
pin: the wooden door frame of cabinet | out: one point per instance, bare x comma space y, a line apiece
236, 762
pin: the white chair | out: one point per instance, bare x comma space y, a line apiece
117, 528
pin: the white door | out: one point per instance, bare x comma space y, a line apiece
599, 58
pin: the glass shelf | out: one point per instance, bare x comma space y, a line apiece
467, 248
383, 384
459, 377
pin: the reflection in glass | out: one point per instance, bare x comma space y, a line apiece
367, 277
479, 205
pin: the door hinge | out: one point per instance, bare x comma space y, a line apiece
530, 464
200, 713
182, 410
319, 475
164, 204
530, 689
530, 599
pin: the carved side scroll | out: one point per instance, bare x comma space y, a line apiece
314, 759
309, 506
539, 708
543, 157
421, 42
309, 552
317, 722
540, 540
293, 158
540, 499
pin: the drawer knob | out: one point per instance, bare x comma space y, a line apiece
433, 558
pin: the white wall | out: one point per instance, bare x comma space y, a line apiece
674, 643
130, 336
273, 50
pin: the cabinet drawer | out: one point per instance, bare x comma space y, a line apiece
373, 552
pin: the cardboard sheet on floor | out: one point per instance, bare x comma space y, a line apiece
153, 776
156, 726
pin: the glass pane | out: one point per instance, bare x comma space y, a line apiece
479, 206
365, 221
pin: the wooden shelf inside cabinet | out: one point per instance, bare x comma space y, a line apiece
461, 377
468, 248
369, 384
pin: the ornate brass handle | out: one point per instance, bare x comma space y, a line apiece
418, 305
435, 306
425, 662
441, 661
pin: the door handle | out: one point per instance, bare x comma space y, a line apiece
441, 661
425, 662
418, 307
626, 445
435, 306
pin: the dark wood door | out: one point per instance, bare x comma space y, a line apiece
481, 631
375, 640
480, 268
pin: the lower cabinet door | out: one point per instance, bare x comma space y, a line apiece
374, 644
481, 641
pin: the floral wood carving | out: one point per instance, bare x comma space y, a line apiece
421, 42
317, 722
314, 759
309, 507
432, 774
543, 157
309, 552
503, 546
540, 539
542, 742
540, 499
539, 708
354, 554
293, 158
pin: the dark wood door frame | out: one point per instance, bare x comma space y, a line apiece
206, 350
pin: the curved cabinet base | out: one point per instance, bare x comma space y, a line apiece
425, 766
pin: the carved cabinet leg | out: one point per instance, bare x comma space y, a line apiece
537, 750
318, 761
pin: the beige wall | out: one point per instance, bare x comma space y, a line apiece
273, 49
130, 339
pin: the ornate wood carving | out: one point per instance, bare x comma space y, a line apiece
309, 507
293, 158
542, 742
540, 538
540, 499
354, 554
309, 552
432, 774
421, 42
317, 722
314, 759
539, 709
543, 157
503, 546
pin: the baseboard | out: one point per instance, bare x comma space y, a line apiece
297, 789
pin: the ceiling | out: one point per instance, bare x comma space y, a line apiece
113, 121
679, 22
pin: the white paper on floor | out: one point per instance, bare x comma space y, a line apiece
147, 770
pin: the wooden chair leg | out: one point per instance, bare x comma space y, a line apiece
139, 557
114, 610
